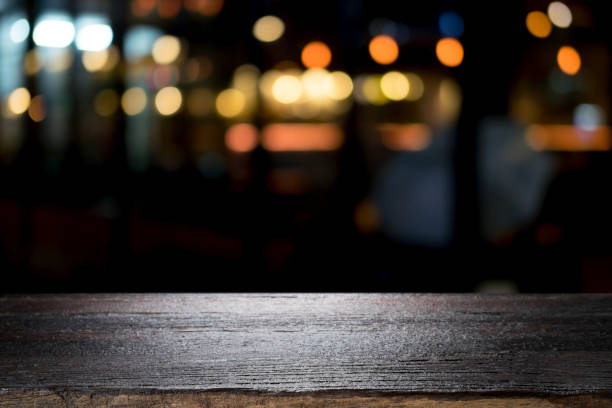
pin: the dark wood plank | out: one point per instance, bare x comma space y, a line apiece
295, 348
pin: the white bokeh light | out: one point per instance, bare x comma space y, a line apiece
94, 37
54, 31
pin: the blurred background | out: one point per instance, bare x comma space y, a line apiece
206, 145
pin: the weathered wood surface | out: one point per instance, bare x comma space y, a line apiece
303, 350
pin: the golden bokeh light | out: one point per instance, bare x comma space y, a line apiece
559, 14
569, 60
37, 110
268, 28
287, 89
538, 24
18, 101
168, 100
338, 85
314, 83
133, 101
230, 103
31, 62
94, 60
449, 52
394, 85
200, 101
106, 102
371, 91
383, 49
316, 54
417, 87
166, 49
241, 138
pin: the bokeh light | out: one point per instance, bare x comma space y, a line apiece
241, 138
94, 37
230, 103
31, 62
449, 52
18, 101
106, 102
287, 89
316, 54
142, 8
20, 30
417, 87
559, 14
314, 82
589, 116
370, 89
394, 85
383, 49
59, 61
54, 31
451, 24
94, 60
338, 85
569, 60
166, 49
538, 24
134, 101
168, 8
210, 7
168, 100
37, 110
268, 28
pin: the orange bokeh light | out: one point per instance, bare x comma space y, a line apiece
383, 49
538, 24
449, 51
569, 60
142, 8
296, 137
169, 8
241, 138
316, 55
210, 7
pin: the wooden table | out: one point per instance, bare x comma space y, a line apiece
305, 350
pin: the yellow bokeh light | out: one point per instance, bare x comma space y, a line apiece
166, 49
37, 110
106, 102
316, 55
417, 87
18, 101
168, 100
383, 49
287, 89
230, 103
569, 60
133, 101
241, 138
372, 92
314, 82
449, 52
31, 62
559, 14
394, 85
538, 24
95, 60
60, 61
268, 28
338, 85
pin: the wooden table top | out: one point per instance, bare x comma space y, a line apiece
292, 349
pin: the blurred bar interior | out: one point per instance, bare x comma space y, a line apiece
198, 145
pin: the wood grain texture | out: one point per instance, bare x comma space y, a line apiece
305, 350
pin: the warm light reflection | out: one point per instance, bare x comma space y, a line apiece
338, 85
106, 102
405, 137
383, 49
371, 92
166, 49
316, 55
31, 62
268, 28
168, 8
142, 8
569, 60
449, 52
210, 7
230, 103
37, 110
133, 101
168, 100
288, 137
538, 24
314, 82
559, 14
417, 87
241, 138
287, 89
394, 85
18, 101
94, 60
568, 138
